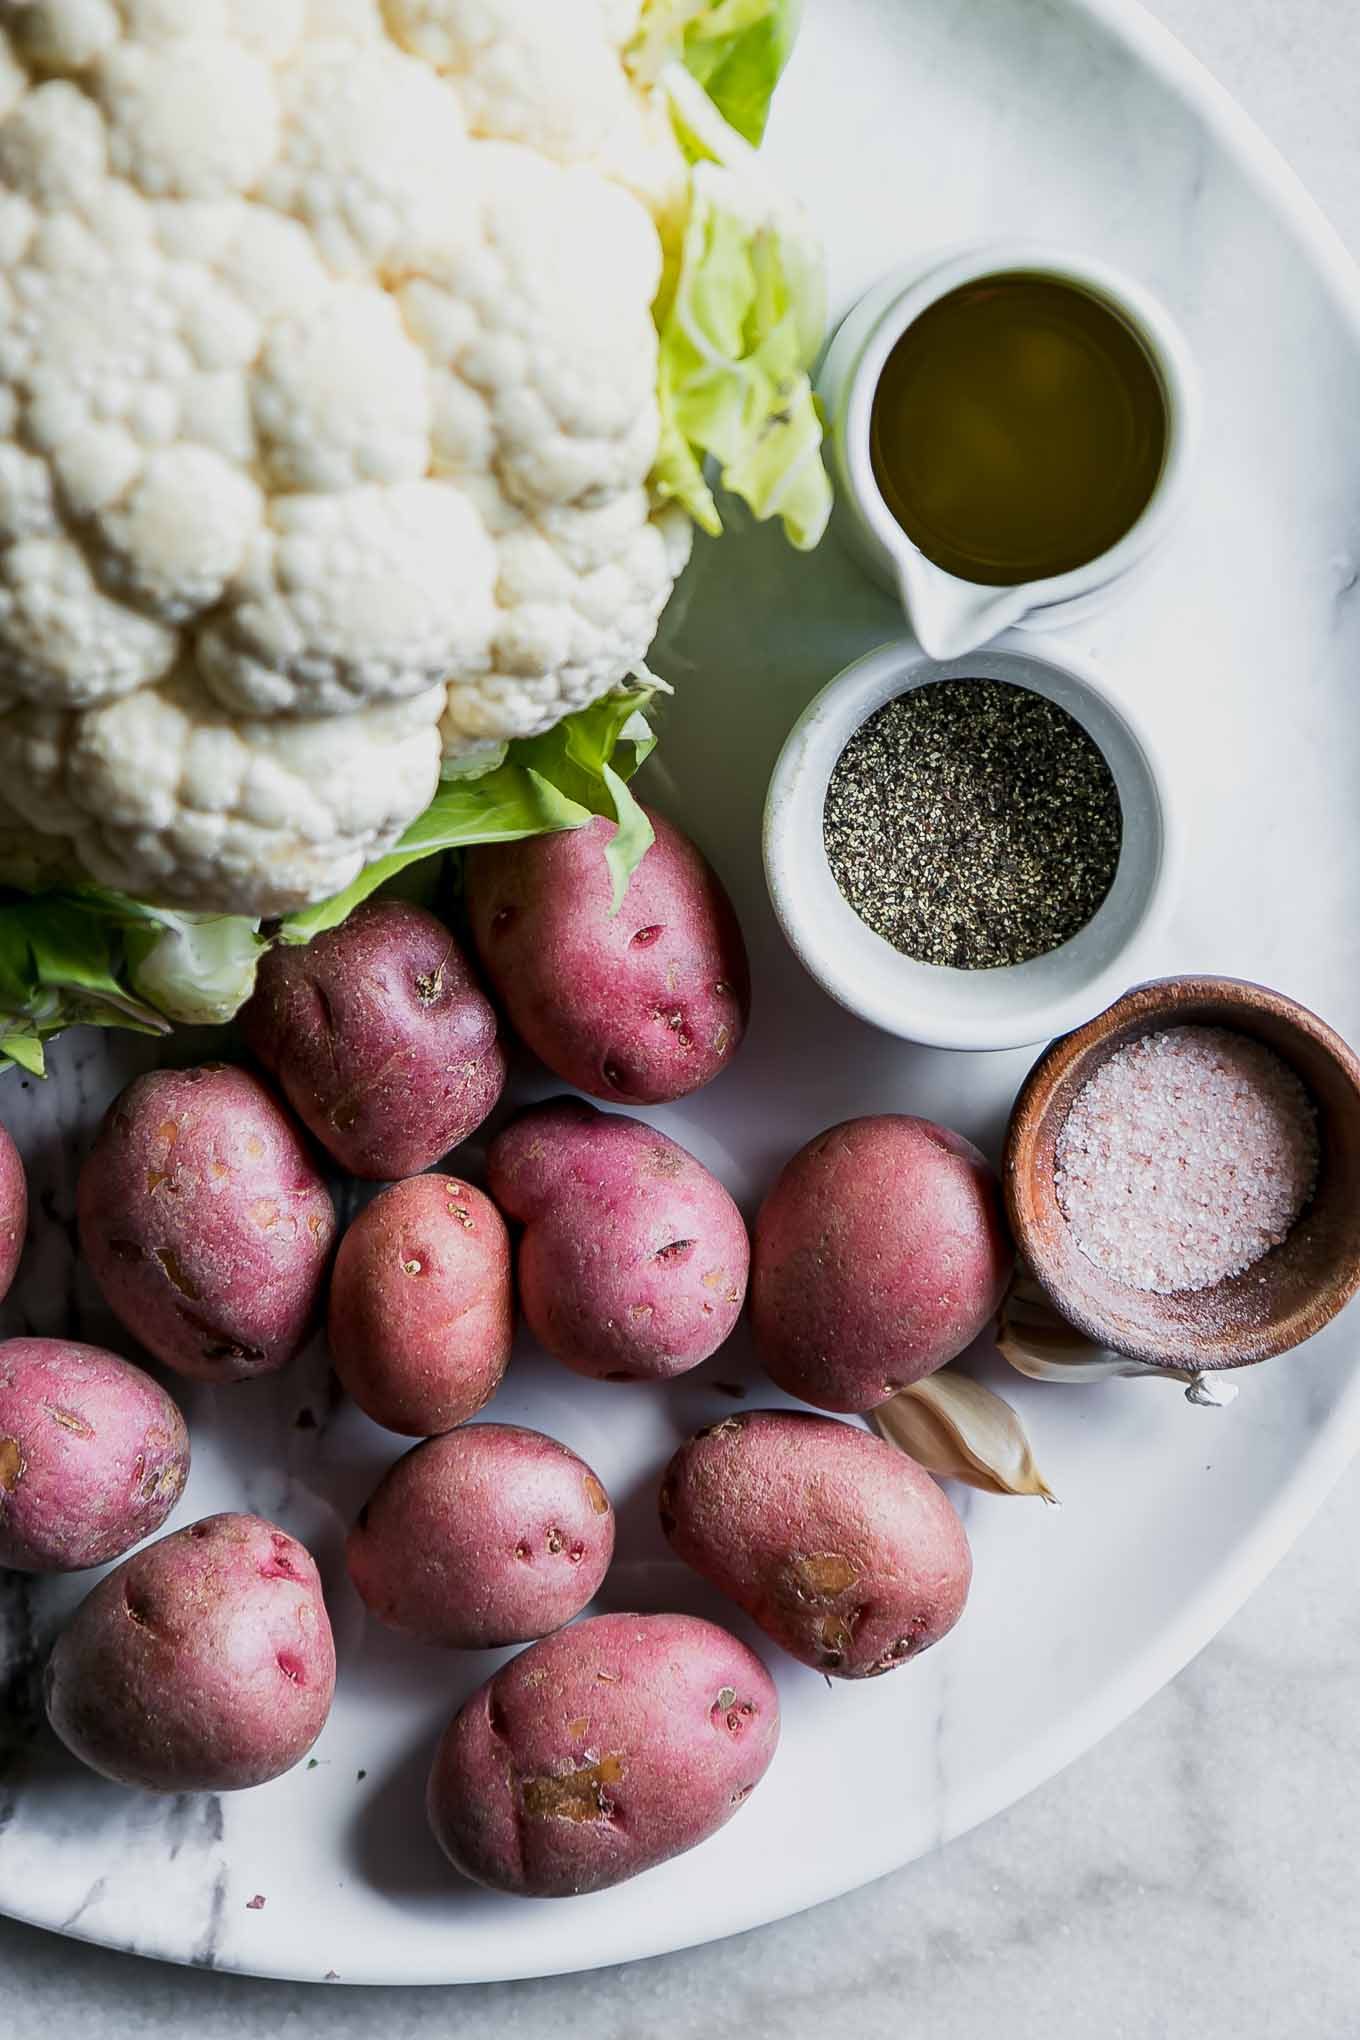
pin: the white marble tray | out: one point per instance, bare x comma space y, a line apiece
907, 123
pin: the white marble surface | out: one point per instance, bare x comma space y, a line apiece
1192, 1876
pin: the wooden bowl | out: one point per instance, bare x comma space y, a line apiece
1278, 1302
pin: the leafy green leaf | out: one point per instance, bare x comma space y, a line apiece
198, 969
475, 764
630, 842
61, 964
741, 322
63, 967
591, 756
26, 1050
559, 780
575, 755
737, 49
733, 377
75, 964
742, 315
502, 807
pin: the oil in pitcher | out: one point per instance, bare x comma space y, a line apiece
1019, 430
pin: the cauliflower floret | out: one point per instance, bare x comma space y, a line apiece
374, 159
33, 862
94, 466
27, 508
546, 76
547, 317
94, 332
359, 597
64, 35
271, 28
341, 396
61, 639
268, 265
180, 534
549, 77
580, 598
327, 410
167, 797
53, 148
194, 118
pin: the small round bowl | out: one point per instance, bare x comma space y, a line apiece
966, 1009
1281, 1300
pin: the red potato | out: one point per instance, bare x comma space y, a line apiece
638, 1007
880, 1254
205, 1223
492, 1535
93, 1455
422, 1309
634, 1259
13, 1211
601, 1752
203, 1664
381, 1039
843, 1550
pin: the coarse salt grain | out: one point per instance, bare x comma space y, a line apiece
1186, 1158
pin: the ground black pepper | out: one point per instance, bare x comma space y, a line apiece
973, 824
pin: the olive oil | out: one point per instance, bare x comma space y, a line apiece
1019, 430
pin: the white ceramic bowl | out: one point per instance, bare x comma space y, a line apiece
967, 1009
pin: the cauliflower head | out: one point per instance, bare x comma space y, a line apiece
329, 416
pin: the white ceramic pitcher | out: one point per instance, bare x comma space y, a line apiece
951, 617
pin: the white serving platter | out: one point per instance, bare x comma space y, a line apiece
906, 124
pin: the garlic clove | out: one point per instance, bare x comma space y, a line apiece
959, 1430
1037, 1342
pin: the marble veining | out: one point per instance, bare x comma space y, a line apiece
1192, 1876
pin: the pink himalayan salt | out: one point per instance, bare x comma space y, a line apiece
1185, 1158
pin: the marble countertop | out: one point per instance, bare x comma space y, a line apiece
1193, 1875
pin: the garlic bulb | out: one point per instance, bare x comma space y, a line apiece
959, 1430
1038, 1342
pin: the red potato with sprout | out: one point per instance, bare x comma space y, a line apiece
422, 1309
637, 1007
880, 1254
93, 1455
13, 1211
380, 1038
204, 1663
601, 1752
205, 1223
842, 1549
634, 1259
489, 1536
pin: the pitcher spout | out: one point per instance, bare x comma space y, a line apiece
952, 617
